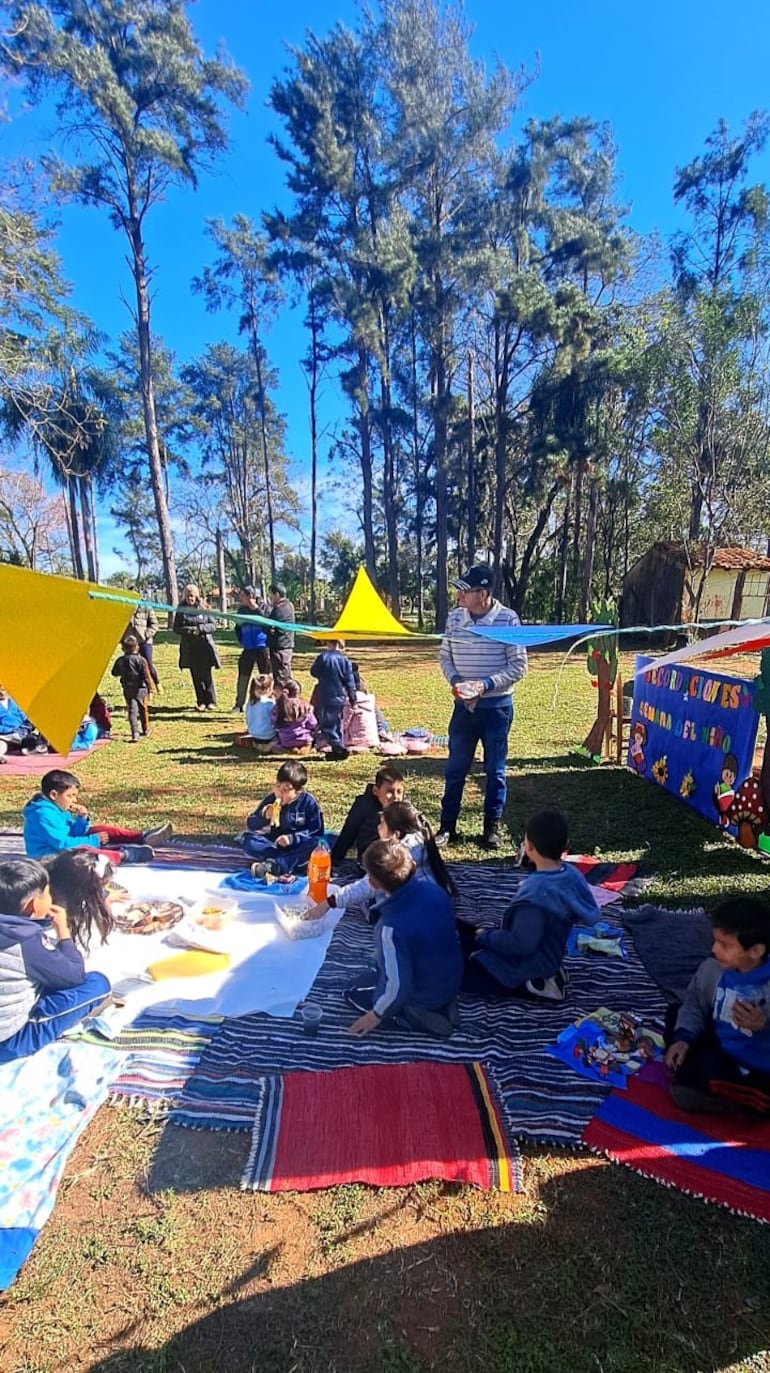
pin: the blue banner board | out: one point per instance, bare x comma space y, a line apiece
693, 733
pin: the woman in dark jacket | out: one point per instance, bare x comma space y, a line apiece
197, 651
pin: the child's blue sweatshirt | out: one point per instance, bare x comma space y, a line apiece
47, 829
710, 1000
302, 819
418, 953
32, 961
334, 674
533, 934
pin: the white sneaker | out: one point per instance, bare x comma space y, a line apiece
546, 988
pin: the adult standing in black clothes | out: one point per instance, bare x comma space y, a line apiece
197, 650
280, 641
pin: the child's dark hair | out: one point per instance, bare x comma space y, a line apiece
747, 917
293, 773
401, 818
78, 885
389, 863
290, 708
57, 780
129, 643
20, 880
260, 686
547, 832
388, 773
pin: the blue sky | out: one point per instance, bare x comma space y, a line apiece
661, 73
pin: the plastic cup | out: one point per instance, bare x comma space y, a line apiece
311, 1019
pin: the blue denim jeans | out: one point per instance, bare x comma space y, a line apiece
52, 1014
490, 725
329, 717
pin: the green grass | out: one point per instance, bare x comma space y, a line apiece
154, 1262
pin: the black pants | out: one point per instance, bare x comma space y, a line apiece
138, 712
249, 659
203, 681
710, 1071
280, 665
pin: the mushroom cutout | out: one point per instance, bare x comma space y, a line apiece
748, 812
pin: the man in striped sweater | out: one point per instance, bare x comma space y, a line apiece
481, 673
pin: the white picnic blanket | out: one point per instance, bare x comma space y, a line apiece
268, 971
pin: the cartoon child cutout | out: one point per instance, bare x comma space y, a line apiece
636, 746
724, 791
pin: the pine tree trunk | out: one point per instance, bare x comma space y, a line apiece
144, 336
85, 519
589, 551
313, 390
389, 474
265, 452
74, 529
418, 516
561, 582
501, 406
365, 458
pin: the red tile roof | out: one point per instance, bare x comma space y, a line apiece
730, 559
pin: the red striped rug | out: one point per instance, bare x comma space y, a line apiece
389, 1126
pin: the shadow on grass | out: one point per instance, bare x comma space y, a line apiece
581, 1282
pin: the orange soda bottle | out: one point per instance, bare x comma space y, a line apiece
319, 870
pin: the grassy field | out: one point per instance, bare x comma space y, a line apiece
154, 1262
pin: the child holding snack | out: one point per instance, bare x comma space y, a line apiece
286, 826
54, 820
44, 987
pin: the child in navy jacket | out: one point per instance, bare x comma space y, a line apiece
286, 826
333, 672
44, 988
523, 956
419, 962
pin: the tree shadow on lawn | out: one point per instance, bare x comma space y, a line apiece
580, 1280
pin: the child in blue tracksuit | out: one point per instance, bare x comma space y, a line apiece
286, 826
419, 961
523, 956
44, 987
333, 672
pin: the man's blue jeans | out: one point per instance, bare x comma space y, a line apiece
52, 1014
490, 725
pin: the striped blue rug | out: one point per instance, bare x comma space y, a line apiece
542, 1100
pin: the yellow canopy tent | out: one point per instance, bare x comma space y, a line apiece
364, 614
55, 642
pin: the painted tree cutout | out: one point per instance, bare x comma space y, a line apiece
602, 663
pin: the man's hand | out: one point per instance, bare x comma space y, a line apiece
747, 1015
365, 1024
676, 1054
283, 841
59, 919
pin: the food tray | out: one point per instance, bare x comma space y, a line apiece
294, 927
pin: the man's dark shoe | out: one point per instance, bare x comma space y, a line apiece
491, 838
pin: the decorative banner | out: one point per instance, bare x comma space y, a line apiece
55, 642
364, 614
693, 733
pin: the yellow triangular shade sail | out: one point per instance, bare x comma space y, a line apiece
55, 643
364, 614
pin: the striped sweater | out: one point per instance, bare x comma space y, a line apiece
465, 657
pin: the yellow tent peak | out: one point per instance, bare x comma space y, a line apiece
364, 614
55, 642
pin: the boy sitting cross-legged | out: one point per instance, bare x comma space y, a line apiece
44, 988
419, 963
54, 820
720, 1041
286, 826
523, 956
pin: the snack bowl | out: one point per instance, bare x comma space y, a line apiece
212, 911
294, 923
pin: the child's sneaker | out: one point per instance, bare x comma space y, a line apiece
136, 853
261, 870
548, 988
158, 834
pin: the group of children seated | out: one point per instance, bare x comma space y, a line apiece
718, 1039
341, 715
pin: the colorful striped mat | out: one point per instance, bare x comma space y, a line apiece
162, 1053
541, 1098
384, 1126
724, 1159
